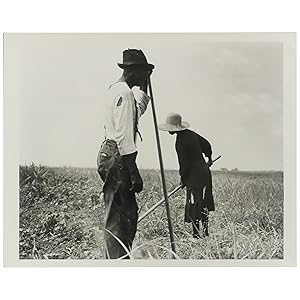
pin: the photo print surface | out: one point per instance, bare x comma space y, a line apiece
148, 147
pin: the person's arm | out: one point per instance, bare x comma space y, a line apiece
145, 82
144, 86
206, 149
184, 162
123, 114
142, 100
135, 177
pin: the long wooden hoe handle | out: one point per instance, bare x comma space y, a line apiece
162, 172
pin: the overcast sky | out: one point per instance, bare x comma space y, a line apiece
230, 92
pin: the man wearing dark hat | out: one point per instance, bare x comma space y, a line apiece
126, 102
194, 171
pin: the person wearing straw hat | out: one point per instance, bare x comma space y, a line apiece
194, 171
126, 102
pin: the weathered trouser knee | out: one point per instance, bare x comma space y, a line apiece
121, 219
120, 223
120, 203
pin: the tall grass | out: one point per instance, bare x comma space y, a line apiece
61, 216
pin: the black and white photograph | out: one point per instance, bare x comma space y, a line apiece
150, 148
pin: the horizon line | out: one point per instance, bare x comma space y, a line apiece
156, 169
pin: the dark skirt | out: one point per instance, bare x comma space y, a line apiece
198, 202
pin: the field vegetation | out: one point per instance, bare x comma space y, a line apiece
61, 216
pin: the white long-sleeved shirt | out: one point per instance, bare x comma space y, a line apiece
120, 112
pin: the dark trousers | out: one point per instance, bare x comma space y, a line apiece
120, 223
195, 211
121, 210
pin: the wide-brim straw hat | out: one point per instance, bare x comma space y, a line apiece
135, 57
174, 123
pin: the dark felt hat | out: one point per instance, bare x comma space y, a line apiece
135, 57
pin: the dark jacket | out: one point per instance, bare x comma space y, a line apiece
193, 170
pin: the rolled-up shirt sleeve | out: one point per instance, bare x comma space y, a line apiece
142, 100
